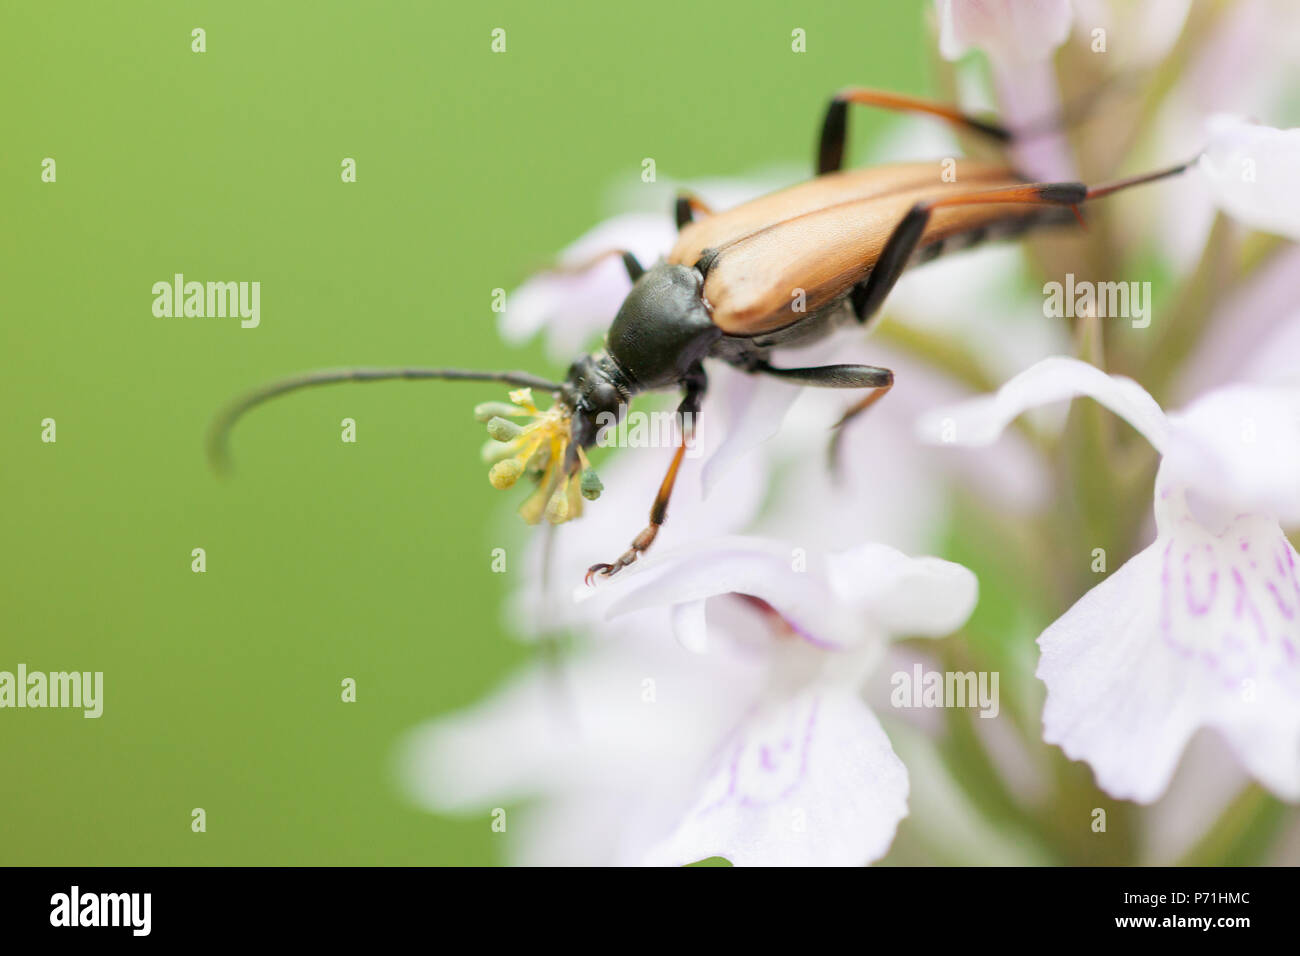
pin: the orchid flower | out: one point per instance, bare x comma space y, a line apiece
807, 776
1201, 628
1020, 37
1242, 62
1251, 171
1008, 29
770, 758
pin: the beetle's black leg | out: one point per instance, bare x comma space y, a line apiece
687, 207
688, 411
830, 148
831, 376
634, 268
880, 380
869, 294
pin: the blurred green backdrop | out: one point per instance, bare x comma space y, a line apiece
324, 560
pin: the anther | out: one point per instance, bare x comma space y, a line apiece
505, 473
502, 430
591, 485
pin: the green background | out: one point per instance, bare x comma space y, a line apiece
325, 560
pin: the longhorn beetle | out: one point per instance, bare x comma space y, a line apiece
724, 292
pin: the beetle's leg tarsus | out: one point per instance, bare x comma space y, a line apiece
640, 544
687, 412
658, 512
853, 411
687, 208
830, 147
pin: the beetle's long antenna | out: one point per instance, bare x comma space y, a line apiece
218, 437
1097, 192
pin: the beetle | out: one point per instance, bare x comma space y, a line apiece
724, 292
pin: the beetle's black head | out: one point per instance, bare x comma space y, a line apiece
594, 390
659, 336
661, 331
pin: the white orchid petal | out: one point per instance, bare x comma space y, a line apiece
754, 406
979, 421
832, 601
1240, 445
752, 566
690, 627
1013, 30
913, 596
1202, 629
1251, 171
497, 751
574, 307
1150, 28
808, 781
583, 726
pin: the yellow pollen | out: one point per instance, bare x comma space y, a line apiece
505, 473
536, 448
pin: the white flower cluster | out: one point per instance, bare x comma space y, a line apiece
749, 736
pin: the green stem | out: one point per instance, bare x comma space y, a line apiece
1243, 834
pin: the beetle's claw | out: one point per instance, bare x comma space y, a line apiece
609, 570
640, 544
604, 570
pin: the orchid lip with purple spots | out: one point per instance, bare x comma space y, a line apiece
1200, 629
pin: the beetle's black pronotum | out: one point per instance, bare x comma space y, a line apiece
724, 292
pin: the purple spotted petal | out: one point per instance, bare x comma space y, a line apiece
1202, 629
807, 781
